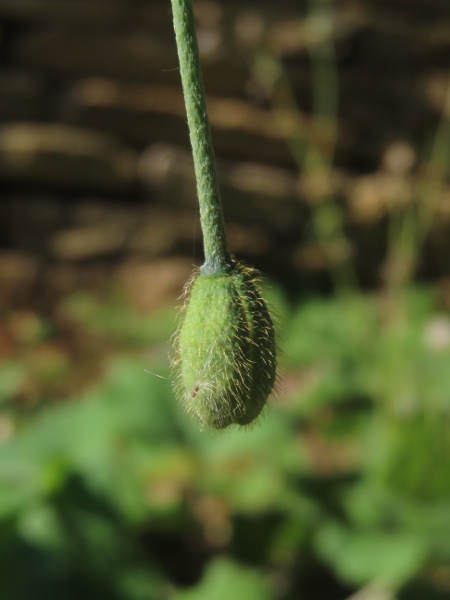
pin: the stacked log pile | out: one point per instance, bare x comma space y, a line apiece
94, 153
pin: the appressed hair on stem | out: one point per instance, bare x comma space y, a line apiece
225, 346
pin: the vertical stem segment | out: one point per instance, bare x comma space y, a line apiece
217, 255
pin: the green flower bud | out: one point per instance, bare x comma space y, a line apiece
226, 354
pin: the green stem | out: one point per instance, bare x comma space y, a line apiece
217, 255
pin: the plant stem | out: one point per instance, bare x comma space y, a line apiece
217, 255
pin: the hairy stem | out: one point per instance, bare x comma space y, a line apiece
217, 255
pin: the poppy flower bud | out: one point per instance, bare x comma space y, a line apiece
226, 352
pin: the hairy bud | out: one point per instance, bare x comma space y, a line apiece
226, 353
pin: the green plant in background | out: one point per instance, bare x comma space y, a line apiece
410, 225
226, 355
312, 141
350, 471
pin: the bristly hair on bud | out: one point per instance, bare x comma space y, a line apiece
225, 349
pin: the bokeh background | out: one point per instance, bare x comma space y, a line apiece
331, 124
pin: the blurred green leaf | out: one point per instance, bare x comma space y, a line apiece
360, 557
12, 378
225, 579
114, 319
116, 487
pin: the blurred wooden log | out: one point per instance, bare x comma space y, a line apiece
156, 12
100, 232
23, 95
65, 157
391, 67
391, 33
135, 55
153, 284
417, 7
379, 78
29, 224
18, 273
251, 193
88, 243
85, 12
139, 54
143, 114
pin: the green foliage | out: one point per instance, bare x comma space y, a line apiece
115, 493
12, 377
225, 579
358, 558
115, 320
